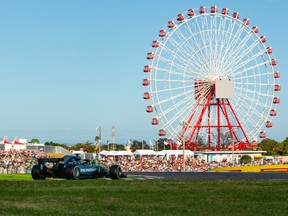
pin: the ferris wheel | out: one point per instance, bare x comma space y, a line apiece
211, 80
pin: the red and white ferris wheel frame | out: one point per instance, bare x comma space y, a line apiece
188, 57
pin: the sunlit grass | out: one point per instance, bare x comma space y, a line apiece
143, 197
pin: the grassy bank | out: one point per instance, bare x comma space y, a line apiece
150, 197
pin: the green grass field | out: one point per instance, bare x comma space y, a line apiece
20, 195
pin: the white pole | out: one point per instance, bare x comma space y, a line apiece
100, 132
183, 147
183, 153
233, 153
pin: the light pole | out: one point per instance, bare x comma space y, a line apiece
233, 159
183, 140
113, 138
99, 141
183, 145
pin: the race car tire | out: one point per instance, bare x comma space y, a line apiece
115, 172
72, 172
36, 173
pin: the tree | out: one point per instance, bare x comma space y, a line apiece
35, 141
87, 147
161, 143
118, 147
285, 146
271, 146
246, 159
136, 145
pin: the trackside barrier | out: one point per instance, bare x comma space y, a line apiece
229, 171
274, 170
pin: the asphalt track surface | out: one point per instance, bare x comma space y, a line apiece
216, 175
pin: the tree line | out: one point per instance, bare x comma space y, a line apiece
272, 147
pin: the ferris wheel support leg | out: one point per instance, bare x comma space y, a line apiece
218, 124
209, 129
188, 122
232, 133
238, 122
198, 128
197, 124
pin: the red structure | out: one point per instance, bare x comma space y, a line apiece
224, 109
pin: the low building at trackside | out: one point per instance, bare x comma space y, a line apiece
219, 156
16, 144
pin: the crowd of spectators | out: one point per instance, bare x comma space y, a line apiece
22, 161
19, 161
173, 164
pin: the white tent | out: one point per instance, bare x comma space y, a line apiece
124, 153
111, 153
116, 153
161, 153
145, 152
168, 153
104, 153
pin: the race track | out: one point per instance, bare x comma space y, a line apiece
216, 175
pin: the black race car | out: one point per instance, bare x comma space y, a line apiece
72, 167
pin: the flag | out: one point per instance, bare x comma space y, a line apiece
151, 144
165, 143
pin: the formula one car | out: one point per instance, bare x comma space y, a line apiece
72, 167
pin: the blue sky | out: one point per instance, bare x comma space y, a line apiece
70, 66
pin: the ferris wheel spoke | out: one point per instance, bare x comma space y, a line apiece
202, 37
169, 62
170, 109
236, 71
227, 32
187, 46
236, 58
253, 109
241, 45
185, 76
172, 89
178, 81
238, 80
228, 39
225, 40
248, 118
183, 116
183, 58
232, 39
265, 95
182, 113
194, 44
221, 30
